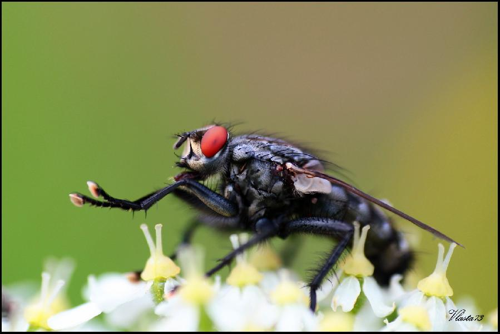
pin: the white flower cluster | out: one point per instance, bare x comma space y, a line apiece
257, 295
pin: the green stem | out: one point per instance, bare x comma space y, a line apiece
157, 291
361, 299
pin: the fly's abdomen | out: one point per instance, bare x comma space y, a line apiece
386, 247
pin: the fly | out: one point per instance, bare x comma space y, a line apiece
272, 188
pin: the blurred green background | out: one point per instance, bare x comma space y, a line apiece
404, 96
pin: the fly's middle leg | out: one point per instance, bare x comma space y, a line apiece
266, 229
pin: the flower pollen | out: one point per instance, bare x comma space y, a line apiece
288, 292
417, 316
243, 273
197, 291
337, 322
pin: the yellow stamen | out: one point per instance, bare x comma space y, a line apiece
437, 283
244, 274
196, 290
357, 264
158, 266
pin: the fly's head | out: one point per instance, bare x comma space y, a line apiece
206, 150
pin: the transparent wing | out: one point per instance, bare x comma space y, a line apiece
314, 173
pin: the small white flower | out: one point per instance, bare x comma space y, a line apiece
112, 293
52, 298
183, 309
104, 294
235, 309
366, 320
293, 303
358, 268
242, 305
38, 312
432, 296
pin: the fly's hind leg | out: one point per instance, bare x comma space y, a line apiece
319, 226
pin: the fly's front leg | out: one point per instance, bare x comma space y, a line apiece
340, 230
211, 199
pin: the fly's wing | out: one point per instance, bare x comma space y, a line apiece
304, 184
310, 173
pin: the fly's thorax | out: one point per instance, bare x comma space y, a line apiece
261, 185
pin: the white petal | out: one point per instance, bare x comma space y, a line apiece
459, 325
376, 298
406, 327
183, 318
437, 313
235, 310
328, 286
396, 290
217, 283
91, 326
74, 317
346, 294
112, 290
366, 320
296, 317
269, 282
415, 297
260, 313
392, 326
18, 324
226, 311
399, 325
126, 315
167, 308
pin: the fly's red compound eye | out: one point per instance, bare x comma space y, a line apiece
213, 140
